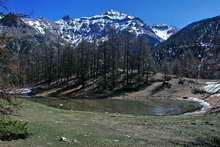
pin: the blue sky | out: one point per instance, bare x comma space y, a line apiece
174, 12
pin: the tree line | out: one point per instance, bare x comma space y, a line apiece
191, 62
121, 56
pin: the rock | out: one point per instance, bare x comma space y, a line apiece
75, 141
64, 139
61, 105
145, 124
193, 123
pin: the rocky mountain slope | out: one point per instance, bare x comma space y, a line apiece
19, 37
200, 38
99, 26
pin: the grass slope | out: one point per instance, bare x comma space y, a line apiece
112, 130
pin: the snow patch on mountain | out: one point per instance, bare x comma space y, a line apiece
41, 25
164, 31
98, 26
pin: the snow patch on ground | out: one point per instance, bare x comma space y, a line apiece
212, 87
18, 91
26, 91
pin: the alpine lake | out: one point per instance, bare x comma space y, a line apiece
155, 107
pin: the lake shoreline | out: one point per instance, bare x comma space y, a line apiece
205, 106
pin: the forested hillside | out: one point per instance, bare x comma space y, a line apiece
121, 62
194, 49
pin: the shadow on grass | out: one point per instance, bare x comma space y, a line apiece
200, 142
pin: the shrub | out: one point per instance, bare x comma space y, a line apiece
12, 130
198, 91
9, 105
181, 81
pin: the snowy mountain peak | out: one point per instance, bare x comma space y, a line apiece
109, 15
113, 13
116, 15
87, 28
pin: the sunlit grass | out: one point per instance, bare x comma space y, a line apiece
48, 124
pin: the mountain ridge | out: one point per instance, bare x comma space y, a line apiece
74, 30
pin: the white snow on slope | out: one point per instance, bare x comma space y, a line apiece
87, 28
41, 25
212, 87
162, 34
164, 31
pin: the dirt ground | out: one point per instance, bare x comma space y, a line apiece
176, 90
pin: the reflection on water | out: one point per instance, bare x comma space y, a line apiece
163, 110
149, 107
